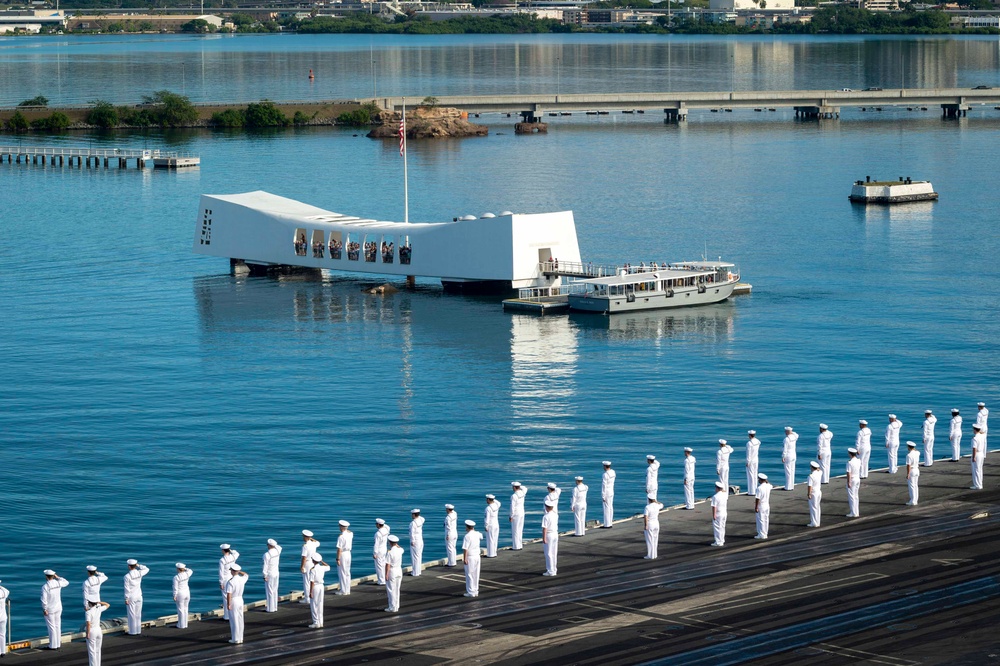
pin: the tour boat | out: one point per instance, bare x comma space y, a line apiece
680, 284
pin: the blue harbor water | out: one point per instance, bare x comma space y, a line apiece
153, 406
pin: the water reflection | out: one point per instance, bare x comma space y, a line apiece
709, 323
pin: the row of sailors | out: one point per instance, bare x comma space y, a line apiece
387, 554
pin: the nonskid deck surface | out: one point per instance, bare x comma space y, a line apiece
900, 586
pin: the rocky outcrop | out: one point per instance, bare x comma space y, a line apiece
426, 123
381, 290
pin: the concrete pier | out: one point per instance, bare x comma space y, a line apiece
55, 156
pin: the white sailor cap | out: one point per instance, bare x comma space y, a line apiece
720, 485
955, 410
751, 432
852, 450
722, 442
892, 416
91, 567
470, 523
180, 565
688, 449
236, 567
344, 523
650, 457
550, 503
132, 563
491, 497
392, 538
226, 546
814, 464
306, 533
272, 542
863, 422
606, 463
651, 496
762, 477
414, 510
379, 521
449, 506
49, 572
822, 426
578, 478
976, 426
912, 444
516, 484
550, 485
980, 404
927, 411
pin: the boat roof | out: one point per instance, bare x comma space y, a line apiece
661, 274
701, 263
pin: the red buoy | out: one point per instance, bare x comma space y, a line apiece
311, 77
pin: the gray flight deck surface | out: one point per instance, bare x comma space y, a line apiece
900, 585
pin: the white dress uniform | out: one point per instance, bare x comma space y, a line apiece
824, 452
379, 549
4, 594
753, 458
92, 587
345, 542
554, 494
854, 487
578, 505
491, 522
225, 564
417, 544
982, 419
955, 436
863, 443
52, 607
272, 574
182, 595
394, 581
815, 484
133, 597
517, 516
913, 475
309, 548
763, 495
892, 443
317, 591
689, 463
722, 462
720, 502
652, 529
978, 458
451, 536
929, 422
608, 494
471, 546
234, 594
788, 457
550, 529
652, 476
95, 634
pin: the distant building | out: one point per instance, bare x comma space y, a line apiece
736, 5
975, 21
165, 22
879, 5
609, 17
31, 21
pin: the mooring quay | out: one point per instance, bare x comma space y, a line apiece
954, 102
60, 156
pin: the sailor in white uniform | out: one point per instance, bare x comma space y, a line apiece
652, 475
471, 552
578, 505
978, 456
93, 631
929, 422
815, 494
863, 443
689, 463
955, 435
229, 556
393, 573
720, 501
271, 572
853, 483
345, 542
824, 450
982, 418
234, 601
788, 456
553, 494
651, 526
379, 549
913, 473
722, 462
517, 515
450, 534
4, 595
92, 586
608, 494
309, 548
182, 593
491, 523
762, 506
416, 541
753, 458
52, 606
892, 442
133, 595
550, 538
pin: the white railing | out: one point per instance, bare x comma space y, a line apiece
591, 270
537, 294
52, 151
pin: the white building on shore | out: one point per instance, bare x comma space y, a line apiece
737, 5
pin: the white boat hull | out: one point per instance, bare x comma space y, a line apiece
656, 300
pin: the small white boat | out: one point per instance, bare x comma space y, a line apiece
677, 285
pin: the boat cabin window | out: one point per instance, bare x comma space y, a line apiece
299, 242
388, 249
371, 248
353, 247
336, 245
318, 244
405, 251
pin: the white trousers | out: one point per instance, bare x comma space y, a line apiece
688, 493
95, 639
53, 622
380, 568
316, 600
652, 540
865, 454
824, 465
977, 472
472, 566
392, 590
853, 501
928, 451
893, 458
913, 485
580, 519
134, 607
344, 572
183, 601
723, 472
790, 474
956, 447
752, 478
763, 521
652, 488
416, 556
236, 619
492, 537
3, 634
719, 529
449, 547
609, 509
516, 531
271, 593
303, 600
814, 508
551, 553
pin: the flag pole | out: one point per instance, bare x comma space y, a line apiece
406, 180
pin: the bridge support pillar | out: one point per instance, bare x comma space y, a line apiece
954, 110
411, 282
675, 115
530, 117
817, 112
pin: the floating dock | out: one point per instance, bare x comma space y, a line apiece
904, 190
95, 157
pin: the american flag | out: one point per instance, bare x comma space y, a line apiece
402, 136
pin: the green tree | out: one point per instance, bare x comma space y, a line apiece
168, 109
16, 123
228, 118
200, 26
39, 100
57, 122
359, 117
429, 102
103, 115
264, 114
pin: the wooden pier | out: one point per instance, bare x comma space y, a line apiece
95, 157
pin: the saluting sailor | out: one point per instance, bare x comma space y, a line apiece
955, 435
929, 422
824, 450
491, 521
652, 474
608, 494
853, 483
4, 595
229, 556
471, 558
788, 456
93, 631
814, 493
978, 456
892, 442
379, 549
234, 601
517, 514
416, 541
52, 606
317, 590
450, 533
271, 572
92, 586
182, 593
550, 538
133, 595
762, 506
913, 473
720, 501
309, 548
651, 526
553, 494
689, 463
863, 443
722, 462
982, 418
753, 457
345, 542
578, 505
393, 573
